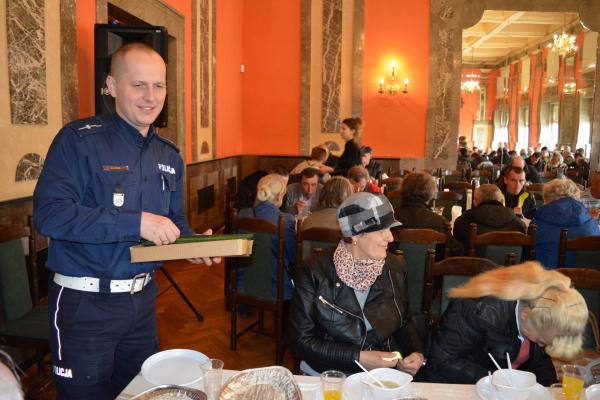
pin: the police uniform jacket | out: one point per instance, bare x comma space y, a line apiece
98, 177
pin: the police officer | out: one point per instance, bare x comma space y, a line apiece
108, 182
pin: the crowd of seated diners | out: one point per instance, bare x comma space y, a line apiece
350, 302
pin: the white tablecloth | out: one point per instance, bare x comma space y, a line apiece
430, 391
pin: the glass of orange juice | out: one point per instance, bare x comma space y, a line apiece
332, 382
572, 381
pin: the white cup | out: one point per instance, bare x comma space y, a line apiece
372, 391
512, 384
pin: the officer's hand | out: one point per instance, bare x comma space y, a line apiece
206, 260
158, 229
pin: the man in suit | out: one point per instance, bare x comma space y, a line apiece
302, 197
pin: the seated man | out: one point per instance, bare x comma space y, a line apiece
360, 180
531, 174
536, 161
515, 196
302, 197
528, 312
488, 213
418, 189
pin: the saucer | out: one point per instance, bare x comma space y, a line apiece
353, 388
485, 391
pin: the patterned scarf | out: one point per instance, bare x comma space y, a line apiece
357, 274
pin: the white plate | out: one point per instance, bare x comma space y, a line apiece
593, 392
353, 388
174, 367
485, 391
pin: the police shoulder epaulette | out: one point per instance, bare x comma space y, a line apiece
88, 126
167, 141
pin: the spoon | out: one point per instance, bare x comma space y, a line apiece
370, 375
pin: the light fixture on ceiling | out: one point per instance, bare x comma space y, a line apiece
392, 87
470, 82
563, 44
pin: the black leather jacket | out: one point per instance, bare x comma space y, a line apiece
469, 329
326, 324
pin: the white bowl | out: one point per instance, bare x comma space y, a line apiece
512, 384
372, 391
593, 392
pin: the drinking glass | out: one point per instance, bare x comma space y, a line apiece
557, 391
213, 377
572, 381
332, 382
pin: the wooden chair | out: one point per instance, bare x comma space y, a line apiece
257, 290
484, 175
414, 244
395, 198
446, 274
498, 246
586, 249
453, 175
317, 238
576, 175
548, 176
587, 282
23, 321
447, 200
392, 184
463, 188
537, 189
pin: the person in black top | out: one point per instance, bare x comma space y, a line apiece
372, 166
349, 130
515, 196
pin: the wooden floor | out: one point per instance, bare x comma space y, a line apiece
178, 328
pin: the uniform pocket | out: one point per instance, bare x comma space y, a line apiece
118, 189
168, 186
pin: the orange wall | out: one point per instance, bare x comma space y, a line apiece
229, 79
396, 30
271, 83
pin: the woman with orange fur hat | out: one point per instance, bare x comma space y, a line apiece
524, 310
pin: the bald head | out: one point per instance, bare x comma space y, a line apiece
120, 58
518, 162
487, 192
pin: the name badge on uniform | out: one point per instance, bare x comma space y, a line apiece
118, 196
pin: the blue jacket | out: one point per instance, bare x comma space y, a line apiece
269, 212
99, 175
550, 218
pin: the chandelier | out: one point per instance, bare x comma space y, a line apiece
471, 83
563, 44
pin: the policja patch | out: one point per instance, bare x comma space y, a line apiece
118, 196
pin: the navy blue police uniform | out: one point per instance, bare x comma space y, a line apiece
98, 177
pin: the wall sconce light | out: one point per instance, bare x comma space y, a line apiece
392, 87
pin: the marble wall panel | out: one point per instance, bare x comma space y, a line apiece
332, 68
29, 167
27, 61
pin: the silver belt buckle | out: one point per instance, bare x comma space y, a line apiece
135, 278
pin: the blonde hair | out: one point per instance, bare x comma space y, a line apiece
553, 303
269, 188
559, 188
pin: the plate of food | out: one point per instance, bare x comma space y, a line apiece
270, 383
174, 367
170, 392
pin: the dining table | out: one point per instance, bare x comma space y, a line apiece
429, 391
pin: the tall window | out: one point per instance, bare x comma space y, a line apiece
523, 132
549, 129
500, 125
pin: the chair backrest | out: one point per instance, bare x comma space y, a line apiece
576, 175
548, 176
258, 269
395, 198
447, 200
318, 239
393, 183
415, 244
15, 267
586, 250
496, 245
587, 282
448, 273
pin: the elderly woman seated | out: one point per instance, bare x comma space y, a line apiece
561, 209
351, 301
526, 311
333, 193
269, 197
